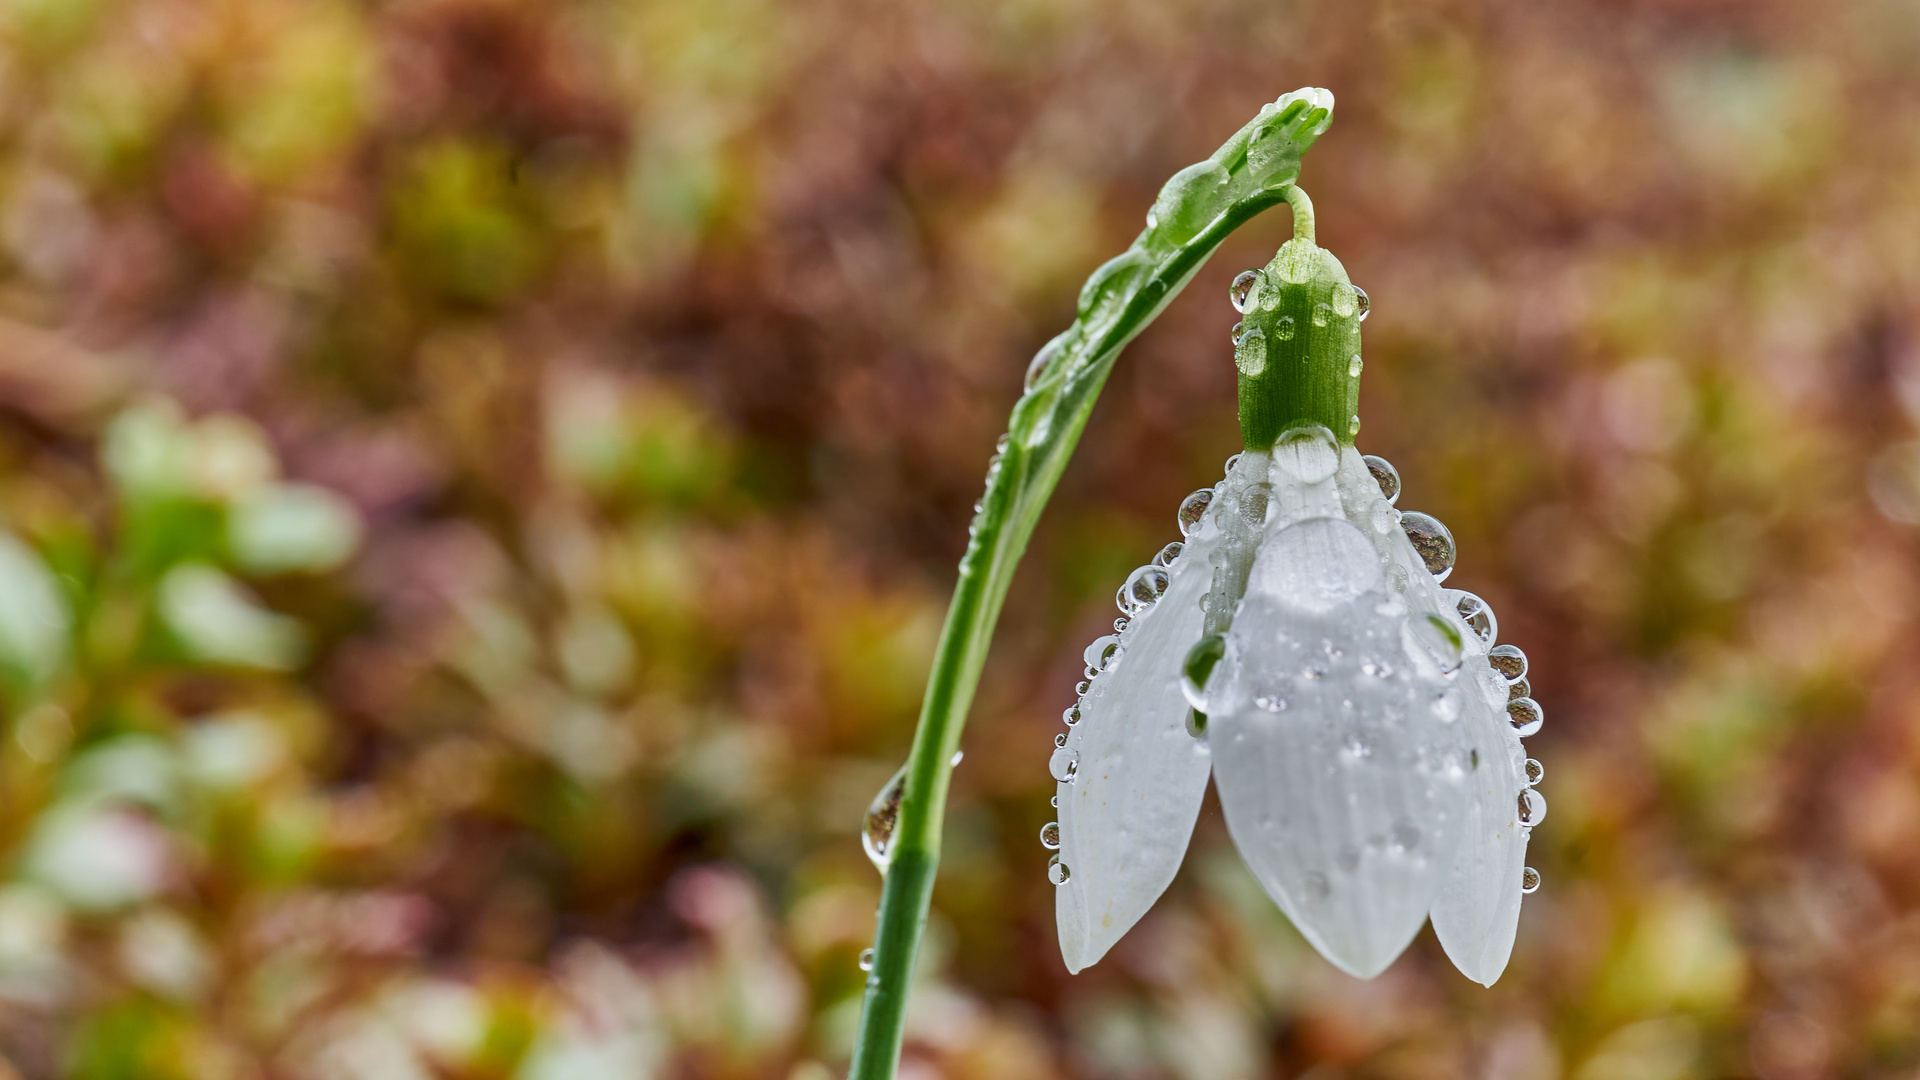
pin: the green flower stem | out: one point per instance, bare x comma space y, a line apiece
1199, 207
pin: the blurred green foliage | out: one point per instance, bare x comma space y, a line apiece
478, 480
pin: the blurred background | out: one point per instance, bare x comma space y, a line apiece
480, 480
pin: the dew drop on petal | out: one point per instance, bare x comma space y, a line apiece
1384, 518
1050, 836
1169, 554
1103, 651
1385, 475
1508, 660
866, 959
1072, 715
1057, 871
1526, 716
1361, 305
1438, 639
876, 828
1536, 772
1307, 454
1146, 585
1529, 880
1254, 502
1432, 540
1532, 808
1283, 328
1519, 688
1193, 508
1064, 765
1120, 624
1060, 739
1080, 688
1246, 290
1477, 614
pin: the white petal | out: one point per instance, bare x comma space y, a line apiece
1127, 814
1477, 909
1339, 759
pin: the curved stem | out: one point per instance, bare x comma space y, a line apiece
1196, 210
1302, 213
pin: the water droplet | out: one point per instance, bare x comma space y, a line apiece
1384, 518
1477, 614
1169, 554
1042, 360
1270, 702
1525, 715
866, 959
1060, 739
1529, 880
1238, 332
1322, 313
1103, 651
1446, 704
1508, 660
1536, 772
1253, 504
1361, 305
1146, 585
1250, 351
1519, 688
1398, 578
1050, 836
1385, 475
1354, 365
1533, 808
1432, 540
1057, 871
1080, 688
1245, 292
1232, 460
1193, 508
876, 829
1283, 328
1198, 667
1054, 801
1436, 638
1000, 445
956, 759
1379, 669
1353, 425
1343, 300
1064, 764
1072, 715
1308, 454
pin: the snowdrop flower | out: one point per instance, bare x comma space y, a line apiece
1297, 644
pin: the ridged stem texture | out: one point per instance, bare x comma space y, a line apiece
1197, 209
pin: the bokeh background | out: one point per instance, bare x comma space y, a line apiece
480, 481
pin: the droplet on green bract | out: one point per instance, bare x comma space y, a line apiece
1385, 475
866, 959
1431, 540
1238, 332
1529, 880
1508, 660
1283, 328
1353, 425
1250, 352
883, 813
1246, 290
1191, 199
1526, 716
1343, 300
1362, 305
1037, 369
1353, 366
1322, 313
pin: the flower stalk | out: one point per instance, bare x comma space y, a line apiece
1196, 210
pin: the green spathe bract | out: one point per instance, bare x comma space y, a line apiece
1199, 207
1298, 345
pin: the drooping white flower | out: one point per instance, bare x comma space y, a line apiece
1359, 724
